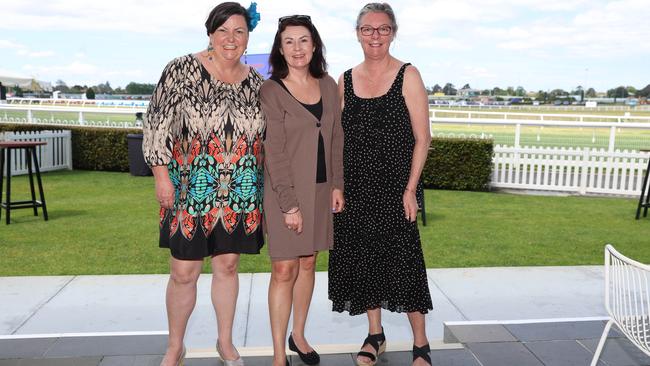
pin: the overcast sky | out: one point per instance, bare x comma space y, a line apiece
538, 44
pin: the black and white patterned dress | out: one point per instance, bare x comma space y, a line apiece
209, 135
377, 259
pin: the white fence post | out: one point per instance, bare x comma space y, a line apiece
612, 139
518, 135
67, 150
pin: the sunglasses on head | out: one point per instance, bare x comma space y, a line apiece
297, 17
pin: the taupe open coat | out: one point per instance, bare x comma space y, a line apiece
291, 151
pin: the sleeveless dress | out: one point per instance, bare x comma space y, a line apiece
209, 135
377, 259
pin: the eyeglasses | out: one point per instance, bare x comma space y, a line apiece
296, 17
383, 30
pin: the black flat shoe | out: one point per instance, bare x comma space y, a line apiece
310, 358
422, 352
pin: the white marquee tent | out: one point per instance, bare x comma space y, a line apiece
25, 83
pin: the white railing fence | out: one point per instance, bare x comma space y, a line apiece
582, 171
116, 103
57, 115
55, 155
546, 129
545, 107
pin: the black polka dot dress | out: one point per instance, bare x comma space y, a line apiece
377, 260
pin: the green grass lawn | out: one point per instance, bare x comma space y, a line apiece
106, 223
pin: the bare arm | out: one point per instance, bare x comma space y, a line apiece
417, 102
341, 84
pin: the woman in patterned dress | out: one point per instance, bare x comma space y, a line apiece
377, 261
203, 139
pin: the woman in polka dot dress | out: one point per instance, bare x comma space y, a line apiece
377, 261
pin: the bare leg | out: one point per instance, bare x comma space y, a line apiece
302, 294
418, 326
283, 278
224, 292
180, 299
374, 327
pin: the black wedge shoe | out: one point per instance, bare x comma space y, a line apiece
422, 352
310, 358
376, 341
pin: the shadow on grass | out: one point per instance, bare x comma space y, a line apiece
59, 214
431, 217
27, 215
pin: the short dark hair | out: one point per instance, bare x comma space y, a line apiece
277, 63
222, 12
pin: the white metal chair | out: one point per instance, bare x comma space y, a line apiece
627, 299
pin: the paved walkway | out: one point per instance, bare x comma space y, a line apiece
85, 307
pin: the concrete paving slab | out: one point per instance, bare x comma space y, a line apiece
22, 296
107, 346
250, 361
453, 358
25, 348
82, 361
258, 328
523, 292
395, 358
618, 352
478, 333
148, 360
556, 330
327, 360
561, 353
203, 362
503, 353
135, 303
103, 304
131, 303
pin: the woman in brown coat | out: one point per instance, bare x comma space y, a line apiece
304, 175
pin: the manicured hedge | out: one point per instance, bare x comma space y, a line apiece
458, 164
93, 148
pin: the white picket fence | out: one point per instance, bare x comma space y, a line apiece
582, 171
55, 155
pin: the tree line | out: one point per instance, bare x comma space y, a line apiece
618, 92
105, 88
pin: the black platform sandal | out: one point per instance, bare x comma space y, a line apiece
309, 358
378, 342
422, 352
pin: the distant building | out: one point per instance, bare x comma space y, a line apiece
468, 92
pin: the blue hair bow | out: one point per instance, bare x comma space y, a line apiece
254, 16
